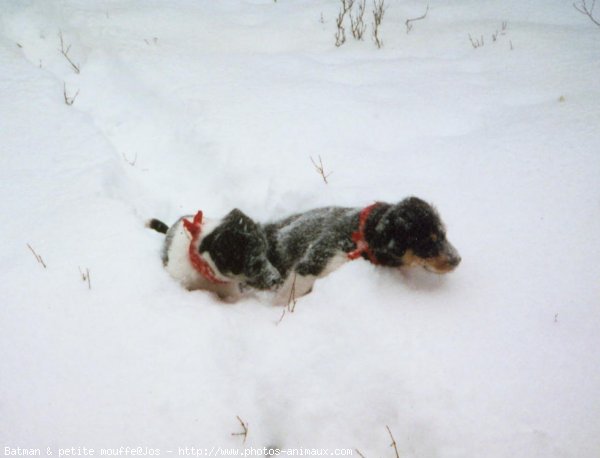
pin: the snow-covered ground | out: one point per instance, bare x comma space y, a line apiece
187, 105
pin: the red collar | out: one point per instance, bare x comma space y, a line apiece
358, 237
201, 266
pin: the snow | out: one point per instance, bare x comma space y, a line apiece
188, 105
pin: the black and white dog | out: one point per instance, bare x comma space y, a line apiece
310, 245
223, 256
291, 254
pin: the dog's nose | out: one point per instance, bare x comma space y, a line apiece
454, 260
452, 256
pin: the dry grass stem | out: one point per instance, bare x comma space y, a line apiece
410, 21
131, 163
68, 99
378, 12
65, 52
244, 431
37, 256
320, 169
475, 42
393, 444
357, 22
588, 11
85, 276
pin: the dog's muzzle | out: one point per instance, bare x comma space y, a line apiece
452, 255
446, 261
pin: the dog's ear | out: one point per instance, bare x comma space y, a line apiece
388, 237
236, 217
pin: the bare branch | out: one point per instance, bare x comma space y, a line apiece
340, 34
37, 256
476, 43
69, 100
319, 168
357, 22
393, 444
291, 302
501, 32
583, 8
131, 163
281, 317
378, 11
244, 431
85, 276
65, 52
410, 21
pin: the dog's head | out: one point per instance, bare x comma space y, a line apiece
411, 233
238, 247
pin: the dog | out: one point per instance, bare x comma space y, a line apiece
223, 256
308, 246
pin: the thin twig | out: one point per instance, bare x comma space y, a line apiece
85, 276
409, 21
65, 52
281, 317
378, 12
359, 454
292, 299
245, 430
320, 169
37, 256
340, 34
393, 444
131, 163
291, 302
357, 23
69, 100
583, 9
502, 31
476, 43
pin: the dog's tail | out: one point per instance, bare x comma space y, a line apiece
157, 225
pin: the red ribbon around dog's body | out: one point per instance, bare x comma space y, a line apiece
358, 237
202, 267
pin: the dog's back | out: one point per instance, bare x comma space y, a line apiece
292, 240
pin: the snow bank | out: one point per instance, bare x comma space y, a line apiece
214, 105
